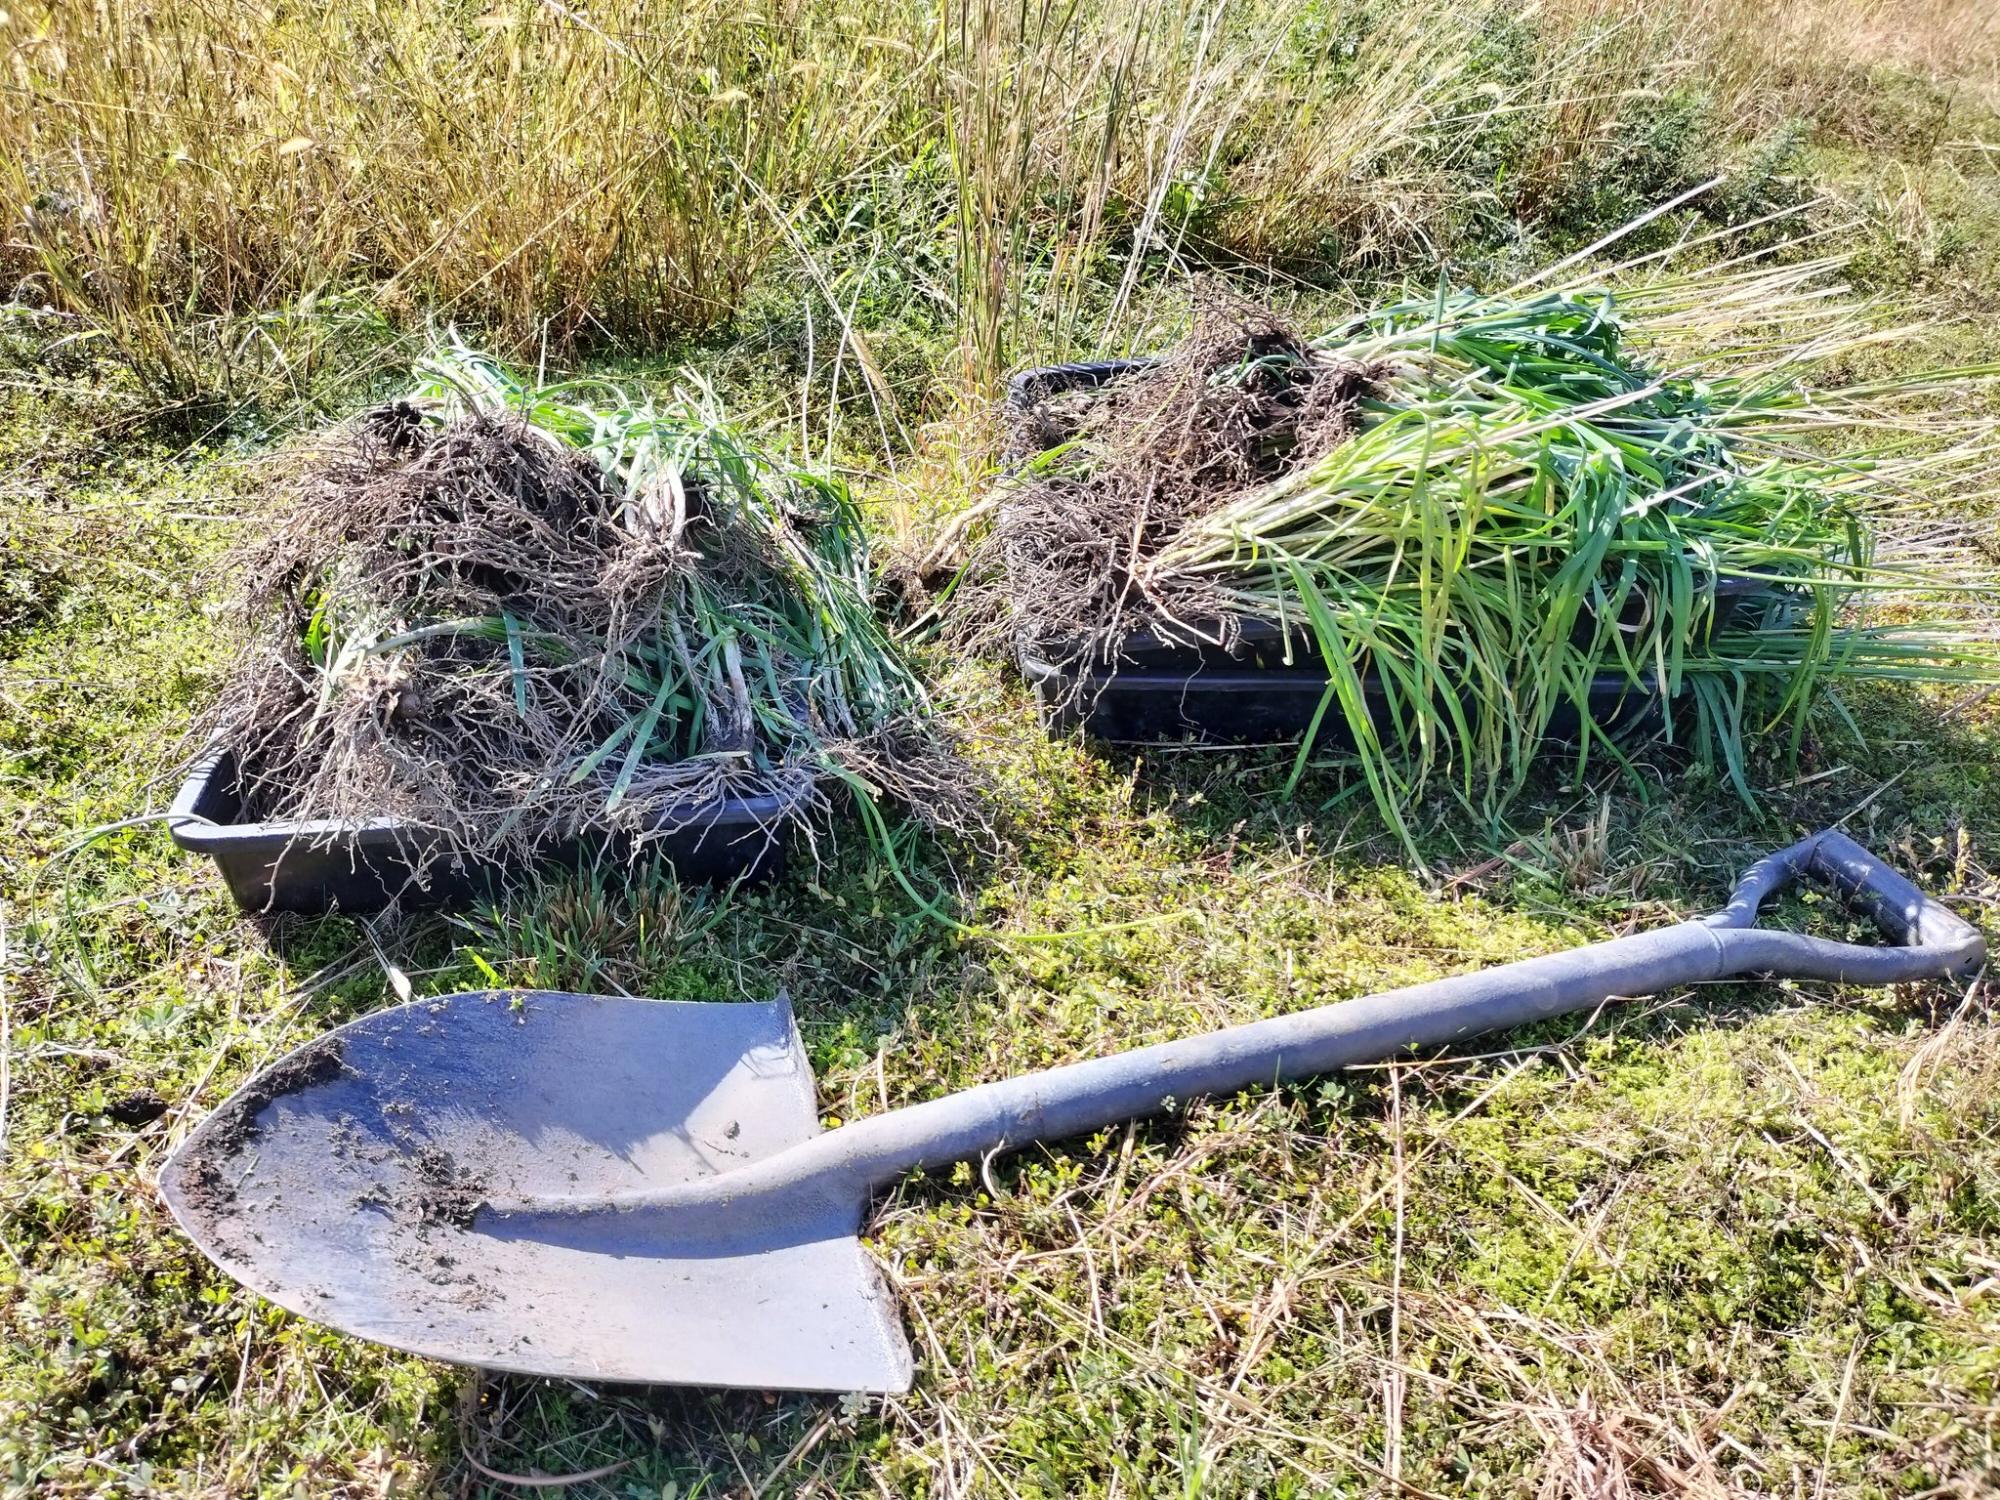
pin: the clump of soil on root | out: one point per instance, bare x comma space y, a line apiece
464, 620
1105, 476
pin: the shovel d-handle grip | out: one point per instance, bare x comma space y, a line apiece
1930, 939
844, 1165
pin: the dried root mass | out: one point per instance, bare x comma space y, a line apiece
1108, 474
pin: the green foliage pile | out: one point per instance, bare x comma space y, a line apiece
1482, 513
508, 614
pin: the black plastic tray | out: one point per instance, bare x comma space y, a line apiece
360, 868
1213, 705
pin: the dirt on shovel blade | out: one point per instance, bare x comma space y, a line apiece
214, 1168
422, 1189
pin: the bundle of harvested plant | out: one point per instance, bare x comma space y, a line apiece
512, 616
1477, 508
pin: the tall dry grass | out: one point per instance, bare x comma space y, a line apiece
538, 170
562, 173
1767, 60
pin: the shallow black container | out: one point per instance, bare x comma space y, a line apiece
359, 868
1156, 691
1262, 684
1213, 705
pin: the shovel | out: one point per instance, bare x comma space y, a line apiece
638, 1190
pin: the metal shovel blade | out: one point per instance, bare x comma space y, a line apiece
342, 1183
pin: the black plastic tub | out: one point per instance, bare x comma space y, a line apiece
1030, 386
1248, 692
359, 868
1211, 705
1260, 684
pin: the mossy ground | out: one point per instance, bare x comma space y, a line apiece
1744, 1238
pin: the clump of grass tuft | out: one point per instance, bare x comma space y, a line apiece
503, 612
1477, 511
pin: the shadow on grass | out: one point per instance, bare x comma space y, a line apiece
1917, 769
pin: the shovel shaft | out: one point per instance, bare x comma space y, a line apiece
843, 1166
1087, 1096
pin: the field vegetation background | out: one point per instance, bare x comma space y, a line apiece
1743, 1241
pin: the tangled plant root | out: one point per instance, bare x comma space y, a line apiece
394, 534
1106, 475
